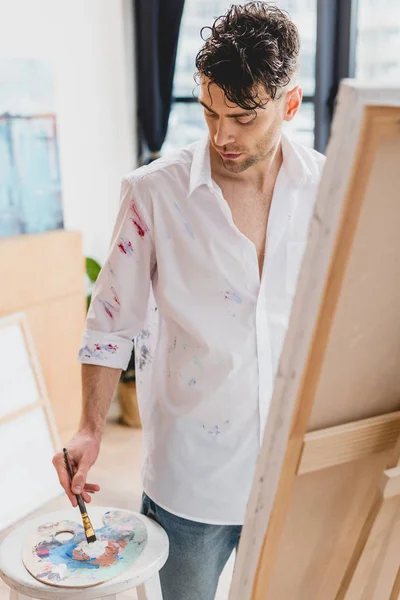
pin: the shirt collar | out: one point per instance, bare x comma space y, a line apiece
293, 162
200, 171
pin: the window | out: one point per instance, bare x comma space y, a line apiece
378, 41
187, 123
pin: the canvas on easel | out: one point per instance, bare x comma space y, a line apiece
323, 519
28, 434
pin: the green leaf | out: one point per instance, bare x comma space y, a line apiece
88, 300
92, 269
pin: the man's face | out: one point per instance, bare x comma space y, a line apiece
242, 138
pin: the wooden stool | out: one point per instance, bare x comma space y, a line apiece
143, 574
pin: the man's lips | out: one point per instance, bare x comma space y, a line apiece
231, 155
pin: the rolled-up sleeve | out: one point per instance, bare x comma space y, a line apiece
120, 297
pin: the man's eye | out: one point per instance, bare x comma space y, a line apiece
245, 120
209, 114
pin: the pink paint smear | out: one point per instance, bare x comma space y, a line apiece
115, 297
125, 247
138, 221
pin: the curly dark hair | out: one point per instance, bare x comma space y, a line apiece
252, 45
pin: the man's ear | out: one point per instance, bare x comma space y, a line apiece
293, 102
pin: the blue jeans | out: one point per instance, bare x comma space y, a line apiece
198, 553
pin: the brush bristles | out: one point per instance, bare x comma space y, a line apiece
91, 538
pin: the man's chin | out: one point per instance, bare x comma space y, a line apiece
235, 166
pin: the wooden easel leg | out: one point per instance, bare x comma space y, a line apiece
372, 542
382, 579
395, 595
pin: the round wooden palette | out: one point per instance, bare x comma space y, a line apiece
58, 554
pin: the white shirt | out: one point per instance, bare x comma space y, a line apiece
184, 281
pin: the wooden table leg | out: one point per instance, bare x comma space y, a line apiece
15, 595
151, 589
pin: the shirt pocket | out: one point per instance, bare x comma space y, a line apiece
294, 256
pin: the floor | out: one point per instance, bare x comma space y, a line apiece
117, 471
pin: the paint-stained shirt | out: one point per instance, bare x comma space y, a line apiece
183, 282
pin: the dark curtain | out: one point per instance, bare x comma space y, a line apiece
157, 32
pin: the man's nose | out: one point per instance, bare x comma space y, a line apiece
223, 134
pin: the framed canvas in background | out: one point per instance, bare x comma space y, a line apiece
30, 182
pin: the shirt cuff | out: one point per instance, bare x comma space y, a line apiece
105, 349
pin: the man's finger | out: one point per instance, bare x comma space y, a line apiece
79, 480
92, 487
86, 497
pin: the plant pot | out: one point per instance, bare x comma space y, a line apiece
127, 399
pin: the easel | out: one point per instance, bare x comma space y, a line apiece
326, 494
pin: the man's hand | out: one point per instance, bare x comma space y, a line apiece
83, 451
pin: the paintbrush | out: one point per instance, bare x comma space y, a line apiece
87, 525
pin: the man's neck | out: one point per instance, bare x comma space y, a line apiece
260, 176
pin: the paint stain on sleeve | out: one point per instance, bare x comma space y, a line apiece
112, 305
98, 351
110, 269
138, 221
115, 296
109, 309
125, 247
111, 348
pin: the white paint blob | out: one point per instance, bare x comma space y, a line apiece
93, 550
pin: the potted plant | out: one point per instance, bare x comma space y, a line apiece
126, 391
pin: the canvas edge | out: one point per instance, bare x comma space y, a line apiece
20, 318
352, 98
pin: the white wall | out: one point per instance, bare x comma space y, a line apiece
88, 42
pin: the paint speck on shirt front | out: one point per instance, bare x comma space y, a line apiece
198, 362
186, 225
144, 356
192, 382
216, 430
233, 297
173, 345
144, 334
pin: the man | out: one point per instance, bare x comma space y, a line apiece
202, 270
